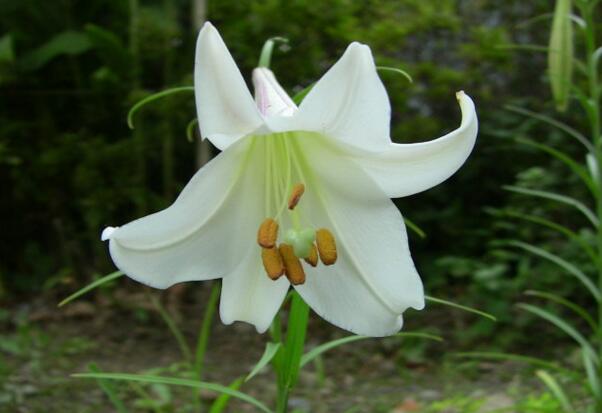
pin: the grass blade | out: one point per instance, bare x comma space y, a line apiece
556, 197
107, 387
173, 327
518, 358
564, 326
592, 375
460, 307
155, 96
144, 378
556, 390
101, 281
568, 304
205, 330
575, 166
553, 122
557, 227
221, 402
270, 351
312, 354
567, 266
528, 47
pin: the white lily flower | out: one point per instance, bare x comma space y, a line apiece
337, 145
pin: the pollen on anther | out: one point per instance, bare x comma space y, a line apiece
267, 233
272, 262
327, 247
296, 194
292, 266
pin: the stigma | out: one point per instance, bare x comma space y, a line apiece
299, 244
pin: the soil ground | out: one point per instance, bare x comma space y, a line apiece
42, 345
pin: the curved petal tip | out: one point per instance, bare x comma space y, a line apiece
107, 232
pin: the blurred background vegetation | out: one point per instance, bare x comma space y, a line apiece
69, 164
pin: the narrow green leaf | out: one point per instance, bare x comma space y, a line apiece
110, 48
298, 98
559, 198
265, 58
66, 43
108, 389
556, 390
315, 352
582, 312
268, 354
548, 16
557, 227
155, 96
411, 225
460, 307
396, 70
518, 358
173, 327
145, 378
221, 402
190, 129
527, 47
575, 166
592, 375
567, 266
101, 281
553, 122
561, 53
205, 330
564, 326
295, 338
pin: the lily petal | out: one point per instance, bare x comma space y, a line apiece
271, 98
225, 107
349, 103
406, 169
374, 279
249, 295
204, 233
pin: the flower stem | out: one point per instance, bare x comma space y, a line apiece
288, 362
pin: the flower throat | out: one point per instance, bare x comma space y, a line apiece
299, 243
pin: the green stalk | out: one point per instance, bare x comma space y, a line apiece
288, 370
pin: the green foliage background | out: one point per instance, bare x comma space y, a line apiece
69, 165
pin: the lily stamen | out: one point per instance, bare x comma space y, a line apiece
267, 233
296, 194
272, 262
327, 247
292, 265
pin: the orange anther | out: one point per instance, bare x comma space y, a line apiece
296, 194
267, 233
272, 262
293, 268
327, 247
